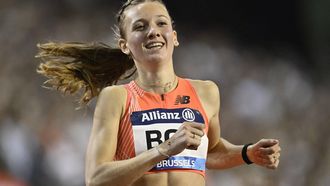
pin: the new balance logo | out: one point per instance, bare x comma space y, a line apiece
182, 100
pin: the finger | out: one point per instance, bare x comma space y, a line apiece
268, 160
263, 161
193, 127
196, 125
192, 147
196, 138
277, 155
276, 158
194, 142
276, 147
277, 163
267, 142
273, 165
197, 132
266, 151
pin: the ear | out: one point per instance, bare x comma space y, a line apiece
123, 46
175, 39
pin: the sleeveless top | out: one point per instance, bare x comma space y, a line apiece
150, 119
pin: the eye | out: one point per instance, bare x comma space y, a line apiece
162, 23
138, 27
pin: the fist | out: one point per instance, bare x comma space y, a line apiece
265, 152
188, 136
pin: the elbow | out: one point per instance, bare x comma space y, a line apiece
104, 175
209, 164
94, 177
95, 181
91, 182
98, 181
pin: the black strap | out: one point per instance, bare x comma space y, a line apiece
244, 154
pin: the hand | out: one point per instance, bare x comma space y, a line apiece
188, 136
265, 152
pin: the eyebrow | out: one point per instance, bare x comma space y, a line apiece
141, 19
163, 16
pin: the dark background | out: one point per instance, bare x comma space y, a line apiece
270, 60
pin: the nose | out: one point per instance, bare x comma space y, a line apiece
153, 32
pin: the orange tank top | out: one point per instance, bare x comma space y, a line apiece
151, 119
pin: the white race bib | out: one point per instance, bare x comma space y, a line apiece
153, 127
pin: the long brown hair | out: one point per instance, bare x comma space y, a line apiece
88, 67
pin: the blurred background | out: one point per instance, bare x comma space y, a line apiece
270, 59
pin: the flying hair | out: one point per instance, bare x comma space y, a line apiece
89, 67
73, 67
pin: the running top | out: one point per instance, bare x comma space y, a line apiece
150, 119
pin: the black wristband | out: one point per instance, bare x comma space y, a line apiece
244, 154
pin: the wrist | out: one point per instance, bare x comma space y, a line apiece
162, 151
244, 153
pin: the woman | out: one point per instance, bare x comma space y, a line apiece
159, 129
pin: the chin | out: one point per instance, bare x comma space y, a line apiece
156, 58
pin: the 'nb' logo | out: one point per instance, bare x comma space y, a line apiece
188, 115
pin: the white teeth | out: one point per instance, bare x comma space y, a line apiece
154, 45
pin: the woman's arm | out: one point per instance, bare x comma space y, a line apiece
265, 153
100, 167
223, 154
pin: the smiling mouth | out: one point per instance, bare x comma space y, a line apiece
154, 45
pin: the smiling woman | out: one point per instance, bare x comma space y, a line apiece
159, 129
149, 35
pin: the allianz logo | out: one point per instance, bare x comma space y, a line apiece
186, 114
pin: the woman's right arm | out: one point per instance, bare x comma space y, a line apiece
101, 169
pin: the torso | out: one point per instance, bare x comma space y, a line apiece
179, 177
171, 179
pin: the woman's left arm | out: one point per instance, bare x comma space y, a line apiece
223, 154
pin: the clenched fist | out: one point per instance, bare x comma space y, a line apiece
265, 152
188, 136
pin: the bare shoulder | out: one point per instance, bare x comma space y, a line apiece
205, 88
197, 82
113, 91
208, 93
112, 99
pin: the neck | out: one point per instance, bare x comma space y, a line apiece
159, 82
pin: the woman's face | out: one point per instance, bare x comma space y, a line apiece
149, 35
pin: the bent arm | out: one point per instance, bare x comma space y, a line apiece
265, 153
124, 172
100, 167
223, 154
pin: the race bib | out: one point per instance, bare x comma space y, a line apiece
153, 127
